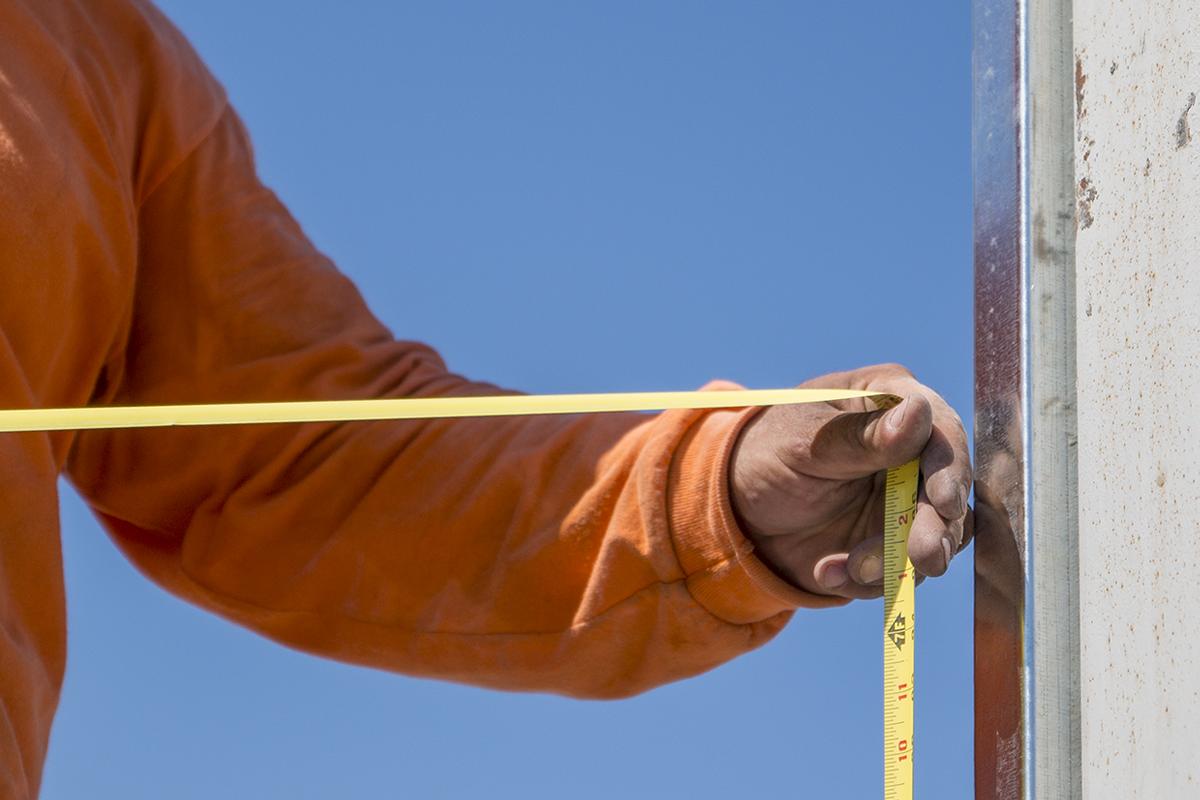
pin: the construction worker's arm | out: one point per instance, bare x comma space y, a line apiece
589, 555
594, 555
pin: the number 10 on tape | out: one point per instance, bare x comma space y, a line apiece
899, 506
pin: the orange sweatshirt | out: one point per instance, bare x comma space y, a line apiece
143, 262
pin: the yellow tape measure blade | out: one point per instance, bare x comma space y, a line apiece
900, 503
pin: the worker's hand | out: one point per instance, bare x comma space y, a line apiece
807, 482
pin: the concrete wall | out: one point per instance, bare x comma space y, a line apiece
1137, 170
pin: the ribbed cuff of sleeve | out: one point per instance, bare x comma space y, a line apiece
723, 574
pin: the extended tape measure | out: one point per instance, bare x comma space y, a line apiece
899, 506
899, 607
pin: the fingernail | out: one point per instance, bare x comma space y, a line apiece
895, 417
947, 549
833, 576
871, 570
962, 499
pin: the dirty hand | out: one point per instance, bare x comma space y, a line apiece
807, 484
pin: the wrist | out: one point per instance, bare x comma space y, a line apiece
720, 561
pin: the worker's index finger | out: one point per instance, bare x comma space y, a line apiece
947, 476
946, 462
933, 541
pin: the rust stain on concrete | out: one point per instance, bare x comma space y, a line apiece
1080, 80
1085, 195
1183, 131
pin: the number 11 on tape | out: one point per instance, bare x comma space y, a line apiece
899, 506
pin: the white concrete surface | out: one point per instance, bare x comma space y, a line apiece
1137, 163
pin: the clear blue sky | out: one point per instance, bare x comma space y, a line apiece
575, 196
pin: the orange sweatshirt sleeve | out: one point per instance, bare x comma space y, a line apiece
590, 555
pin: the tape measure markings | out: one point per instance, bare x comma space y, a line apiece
899, 630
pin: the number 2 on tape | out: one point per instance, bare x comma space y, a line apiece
899, 506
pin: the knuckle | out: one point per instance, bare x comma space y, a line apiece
892, 369
863, 433
796, 452
955, 528
953, 420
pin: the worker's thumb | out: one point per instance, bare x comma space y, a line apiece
855, 445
